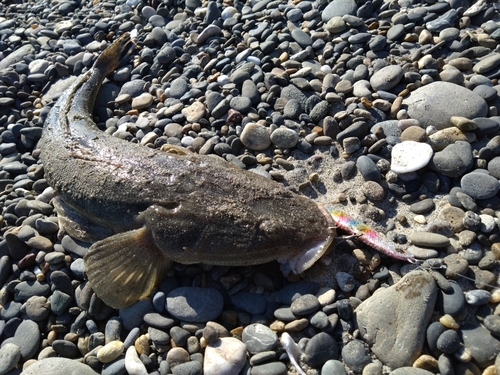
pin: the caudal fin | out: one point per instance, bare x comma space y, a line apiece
112, 56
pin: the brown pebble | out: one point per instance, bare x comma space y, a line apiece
448, 321
142, 345
426, 362
495, 249
454, 216
414, 133
297, 325
363, 256
373, 191
463, 123
40, 243
495, 295
277, 326
490, 370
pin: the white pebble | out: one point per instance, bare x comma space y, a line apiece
487, 223
226, 356
410, 156
228, 13
223, 79
253, 59
133, 364
420, 219
430, 130
326, 68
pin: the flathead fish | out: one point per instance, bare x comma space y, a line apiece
145, 208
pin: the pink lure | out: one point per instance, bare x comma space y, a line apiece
367, 235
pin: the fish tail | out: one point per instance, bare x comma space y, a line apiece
112, 56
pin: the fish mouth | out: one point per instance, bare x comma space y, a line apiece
301, 262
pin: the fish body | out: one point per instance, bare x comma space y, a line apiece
145, 208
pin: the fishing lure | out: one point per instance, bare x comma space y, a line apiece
368, 235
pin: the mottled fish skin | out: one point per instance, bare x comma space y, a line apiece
161, 206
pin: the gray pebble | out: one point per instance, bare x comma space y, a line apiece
10, 354
259, 338
477, 297
319, 349
355, 356
194, 304
429, 239
479, 185
59, 366
251, 303
305, 305
448, 342
27, 338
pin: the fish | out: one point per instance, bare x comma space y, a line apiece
143, 209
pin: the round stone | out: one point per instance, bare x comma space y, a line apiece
255, 137
259, 338
284, 138
386, 78
479, 185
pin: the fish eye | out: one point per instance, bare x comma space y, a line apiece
271, 228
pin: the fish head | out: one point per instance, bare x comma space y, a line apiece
242, 231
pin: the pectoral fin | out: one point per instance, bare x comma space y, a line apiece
125, 267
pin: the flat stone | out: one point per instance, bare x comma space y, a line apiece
386, 78
483, 346
259, 338
479, 185
431, 104
393, 321
410, 156
194, 304
428, 239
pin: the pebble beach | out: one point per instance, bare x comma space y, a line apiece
388, 111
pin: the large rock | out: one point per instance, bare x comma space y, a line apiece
58, 366
394, 320
339, 8
435, 103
